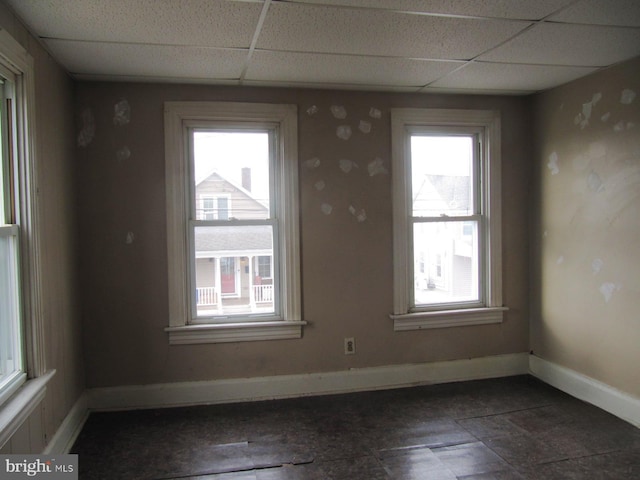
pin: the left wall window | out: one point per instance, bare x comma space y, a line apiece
23, 375
12, 372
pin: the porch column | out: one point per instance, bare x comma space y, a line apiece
218, 285
252, 294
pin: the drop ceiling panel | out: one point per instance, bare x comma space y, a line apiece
151, 61
343, 69
296, 27
507, 77
599, 12
514, 9
566, 44
177, 22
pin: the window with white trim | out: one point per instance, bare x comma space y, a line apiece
232, 214
446, 218
23, 375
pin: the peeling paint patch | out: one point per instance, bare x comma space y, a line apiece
312, 110
123, 154
338, 111
375, 113
326, 208
347, 165
553, 163
344, 132
582, 118
364, 126
312, 162
608, 289
596, 266
130, 238
122, 113
88, 130
627, 96
376, 167
319, 185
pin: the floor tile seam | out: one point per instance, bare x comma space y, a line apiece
506, 412
523, 467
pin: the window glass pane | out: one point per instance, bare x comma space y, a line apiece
228, 280
442, 174
10, 353
445, 262
231, 169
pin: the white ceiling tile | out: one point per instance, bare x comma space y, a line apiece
296, 27
496, 76
599, 12
175, 22
148, 60
514, 9
345, 69
566, 44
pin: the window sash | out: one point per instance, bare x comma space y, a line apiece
228, 221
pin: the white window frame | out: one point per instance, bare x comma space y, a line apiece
179, 118
406, 316
216, 206
26, 394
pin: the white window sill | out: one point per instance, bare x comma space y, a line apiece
18, 408
235, 332
447, 318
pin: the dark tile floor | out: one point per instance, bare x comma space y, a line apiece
508, 428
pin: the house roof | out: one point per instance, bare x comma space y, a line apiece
233, 238
440, 194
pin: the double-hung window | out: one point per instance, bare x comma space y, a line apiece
23, 375
446, 194
232, 212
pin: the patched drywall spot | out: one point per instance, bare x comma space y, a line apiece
344, 132
130, 238
122, 113
360, 214
88, 128
594, 182
347, 165
364, 126
582, 118
319, 185
553, 163
312, 162
596, 266
375, 113
312, 110
560, 260
123, 154
605, 117
326, 208
376, 167
627, 96
619, 127
608, 289
338, 111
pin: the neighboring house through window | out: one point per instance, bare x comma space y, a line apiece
236, 220
446, 194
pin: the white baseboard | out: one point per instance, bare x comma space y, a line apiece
284, 386
69, 430
620, 404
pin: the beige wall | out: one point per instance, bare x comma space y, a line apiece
586, 231
346, 264
55, 158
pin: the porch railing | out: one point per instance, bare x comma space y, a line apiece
263, 293
207, 296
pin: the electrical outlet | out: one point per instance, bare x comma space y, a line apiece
349, 346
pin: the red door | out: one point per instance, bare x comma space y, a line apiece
228, 275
